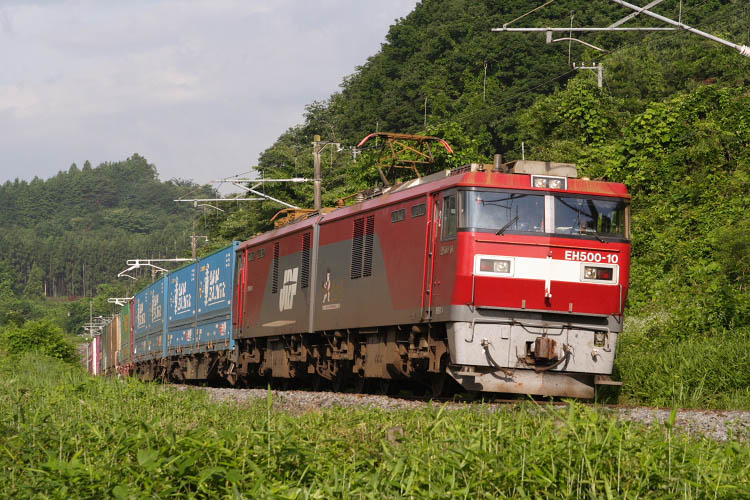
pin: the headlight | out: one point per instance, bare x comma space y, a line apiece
494, 266
598, 273
555, 184
540, 182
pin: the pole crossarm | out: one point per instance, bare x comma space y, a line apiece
207, 200
263, 195
120, 301
586, 29
241, 182
134, 264
675, 26
261, 181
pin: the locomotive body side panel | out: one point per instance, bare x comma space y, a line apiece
371, 267
278, 284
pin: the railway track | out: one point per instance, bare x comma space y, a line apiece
719, 425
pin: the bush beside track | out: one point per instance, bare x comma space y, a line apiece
68, 434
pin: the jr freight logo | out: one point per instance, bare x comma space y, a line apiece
289, 290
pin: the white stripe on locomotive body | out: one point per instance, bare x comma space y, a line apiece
546, 269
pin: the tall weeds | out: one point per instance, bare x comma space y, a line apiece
67, 435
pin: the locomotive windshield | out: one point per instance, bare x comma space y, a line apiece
524, 212
576, 215
507, 211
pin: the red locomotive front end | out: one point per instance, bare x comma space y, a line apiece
536, 264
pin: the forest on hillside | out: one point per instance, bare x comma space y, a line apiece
66, 235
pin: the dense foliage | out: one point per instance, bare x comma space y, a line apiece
67, 434
41, 337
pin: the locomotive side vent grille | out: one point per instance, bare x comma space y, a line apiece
305, 271
357, 237
275, 277
369, 236
362, 241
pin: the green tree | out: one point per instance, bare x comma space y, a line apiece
35, 283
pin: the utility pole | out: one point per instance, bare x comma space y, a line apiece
194, 238
318, 147
318, 204
598, 67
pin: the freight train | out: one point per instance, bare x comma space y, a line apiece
505, 277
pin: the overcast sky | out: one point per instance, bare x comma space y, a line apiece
198, 87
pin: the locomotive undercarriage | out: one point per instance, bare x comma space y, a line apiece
497, 351
347, 358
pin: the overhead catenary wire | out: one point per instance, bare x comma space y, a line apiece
529, 12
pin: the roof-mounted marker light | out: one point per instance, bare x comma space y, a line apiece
539, 181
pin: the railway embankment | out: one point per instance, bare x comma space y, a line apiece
718, 425
68, 434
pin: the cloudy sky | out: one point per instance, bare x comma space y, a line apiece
198, 87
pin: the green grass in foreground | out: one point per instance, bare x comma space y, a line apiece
67, 435
696, 372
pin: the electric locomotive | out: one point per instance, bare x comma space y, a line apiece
507, 278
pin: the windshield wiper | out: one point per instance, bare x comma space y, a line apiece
596, 235
502, 229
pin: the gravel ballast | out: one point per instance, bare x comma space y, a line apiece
719, 425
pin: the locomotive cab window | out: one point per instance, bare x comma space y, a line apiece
450, 217
502, 211
589, 216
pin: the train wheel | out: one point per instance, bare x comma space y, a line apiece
338, 383
359, 385
437, 384
317, 383
384, 386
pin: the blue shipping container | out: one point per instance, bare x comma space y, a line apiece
199, 317
215, 286
182, 310
149, 321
